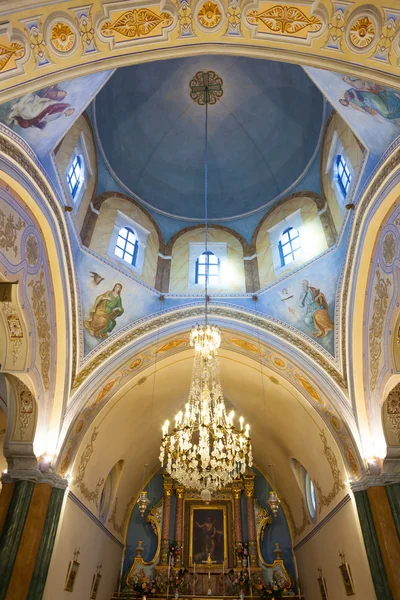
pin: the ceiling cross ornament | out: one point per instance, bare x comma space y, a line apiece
206, 87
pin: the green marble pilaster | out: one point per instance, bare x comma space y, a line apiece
393, 494
12, 531
43, 558
376, 565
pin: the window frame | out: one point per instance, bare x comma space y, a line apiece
311, 496
294, 221
341, 161
196, 249
81, 151
207, 253
292, 251
77, 162
336, 149
126, 242
122, 220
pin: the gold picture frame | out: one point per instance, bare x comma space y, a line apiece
347, 579
201, 543
322, 588
95, 586
71, 575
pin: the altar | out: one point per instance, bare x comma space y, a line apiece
228, 547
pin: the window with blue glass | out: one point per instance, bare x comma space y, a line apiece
311, 497
75, 175
207, 259
343, 174
127, 245
289, 246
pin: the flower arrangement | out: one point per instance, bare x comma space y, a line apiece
242, 550
274, 588
174, 552
142, 584
176, 579
240, 581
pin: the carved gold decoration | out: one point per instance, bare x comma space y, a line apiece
244, 345
393, 411
376, 326
285, 20
309, 388
297, 530
362, 32
62, 37
37, 44
120, 527
32, 250
91, 496
279, 363
172, 344
206, 87
8, 231
15, 331
389, 248
136, 23
263, 519
10, 54
338, 485
209, 14
26, 407
40, 311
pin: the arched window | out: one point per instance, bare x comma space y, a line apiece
127, 245
311, 497
289, 246
75, 175
207, 258
343, 174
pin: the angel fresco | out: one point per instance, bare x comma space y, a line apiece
371, 98
39, 108
317, 316
106, 309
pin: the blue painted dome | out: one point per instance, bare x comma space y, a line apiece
263, 134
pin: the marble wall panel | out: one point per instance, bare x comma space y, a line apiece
232, 274
312, 236
104, 227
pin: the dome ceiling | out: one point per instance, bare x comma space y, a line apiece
263, 133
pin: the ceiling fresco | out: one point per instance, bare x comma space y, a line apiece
264, 132
43, 117
370, 109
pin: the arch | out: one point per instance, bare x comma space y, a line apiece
380, 197
170, 244
170, 39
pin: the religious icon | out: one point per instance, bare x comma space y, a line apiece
317, 316
208, 535
72, 572
39, 108
371, 98
95, 586
347, 577
106, 309
322, 585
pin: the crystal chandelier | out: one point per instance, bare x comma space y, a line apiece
204, 451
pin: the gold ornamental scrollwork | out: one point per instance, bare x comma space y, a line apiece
362, 32
209, 14
42, 324
262, 520
136, 23
120, 527
285, 20
8, 232
91, 496
338, 484
62, 37
376, 326
393, 411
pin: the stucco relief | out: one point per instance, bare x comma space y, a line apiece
41, 312
393, 411
89, 495
376, 326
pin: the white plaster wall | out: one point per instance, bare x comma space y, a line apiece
233, 274
104, 228
341, 534
76, 529
312, 236
353, 151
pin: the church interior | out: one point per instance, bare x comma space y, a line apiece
199, 299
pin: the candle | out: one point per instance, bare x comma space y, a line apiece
194, 579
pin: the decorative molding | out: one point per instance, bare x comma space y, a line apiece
91, 496
393, 410
120, 527
8, 232
376, 326
367, 481
42, 325
338, 485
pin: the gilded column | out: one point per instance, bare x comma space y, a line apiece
237, 516
180, 492
166, 525
251, 519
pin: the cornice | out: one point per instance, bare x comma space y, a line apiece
366, 481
